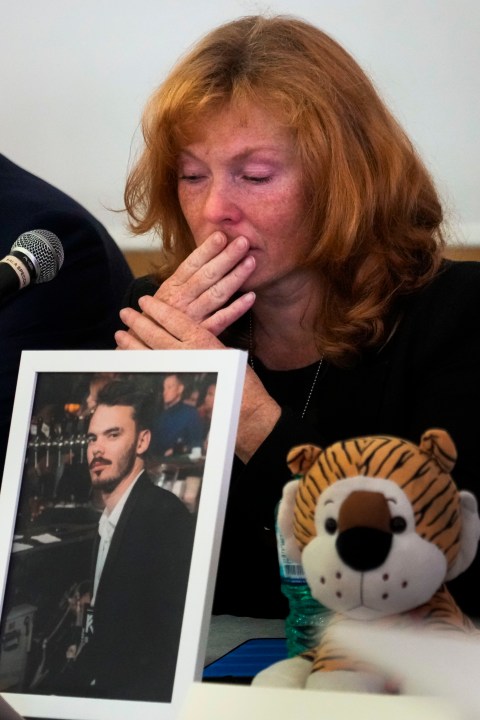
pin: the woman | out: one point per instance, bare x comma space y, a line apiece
298, 222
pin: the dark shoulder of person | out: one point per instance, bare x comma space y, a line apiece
76, 310
95, 275
168, 502
145, 285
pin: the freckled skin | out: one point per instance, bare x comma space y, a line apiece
243, 177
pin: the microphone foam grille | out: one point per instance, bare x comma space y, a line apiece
46, 252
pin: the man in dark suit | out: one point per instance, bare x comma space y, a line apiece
76, 310
142, 559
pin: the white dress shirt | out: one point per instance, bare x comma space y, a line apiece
106, 527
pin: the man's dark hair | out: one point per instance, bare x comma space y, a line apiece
128, 393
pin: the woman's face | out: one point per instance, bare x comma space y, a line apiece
242, 175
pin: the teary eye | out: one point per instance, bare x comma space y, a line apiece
331, 525
398, 524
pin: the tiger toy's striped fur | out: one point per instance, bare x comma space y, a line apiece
379, 526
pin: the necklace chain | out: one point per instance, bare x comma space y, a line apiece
252, 365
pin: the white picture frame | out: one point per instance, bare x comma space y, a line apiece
228, 368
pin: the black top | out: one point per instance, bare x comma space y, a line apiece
426, 376
76, 310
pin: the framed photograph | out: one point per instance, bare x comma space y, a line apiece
111, 516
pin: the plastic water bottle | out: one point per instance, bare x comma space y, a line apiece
306, 616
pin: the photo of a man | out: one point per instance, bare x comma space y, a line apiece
108, 558
141, 560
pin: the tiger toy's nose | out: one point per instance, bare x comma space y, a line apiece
364, 536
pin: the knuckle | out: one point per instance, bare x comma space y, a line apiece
209, 273
218, 293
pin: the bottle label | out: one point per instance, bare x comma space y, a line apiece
289, 570
293, 572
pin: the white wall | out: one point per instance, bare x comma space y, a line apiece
75, 75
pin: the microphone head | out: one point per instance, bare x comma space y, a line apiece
44, 250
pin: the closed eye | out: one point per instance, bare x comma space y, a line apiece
257, 179
190, 178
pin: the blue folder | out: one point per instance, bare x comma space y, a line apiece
246, 660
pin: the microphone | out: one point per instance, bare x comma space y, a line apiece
35, 257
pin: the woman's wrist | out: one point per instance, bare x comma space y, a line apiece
258, 416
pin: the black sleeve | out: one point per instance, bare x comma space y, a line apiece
145, 285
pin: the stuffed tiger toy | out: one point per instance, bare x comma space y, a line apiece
379, 526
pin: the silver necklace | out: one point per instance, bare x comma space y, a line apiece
252, 365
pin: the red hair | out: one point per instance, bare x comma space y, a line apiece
374, 212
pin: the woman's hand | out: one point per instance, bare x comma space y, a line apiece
209, 277
204, 283
189, 311
163, 327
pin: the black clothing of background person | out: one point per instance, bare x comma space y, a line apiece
427, 375
76, 310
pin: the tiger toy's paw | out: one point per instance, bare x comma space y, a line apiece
293, 673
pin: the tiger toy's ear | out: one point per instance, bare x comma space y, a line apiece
469, 535
301, 458
440, 445
285, 518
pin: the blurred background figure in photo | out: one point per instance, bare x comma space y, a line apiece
96, 384
178, 426
79, 308
205, 409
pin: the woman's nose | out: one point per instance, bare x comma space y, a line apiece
220, 204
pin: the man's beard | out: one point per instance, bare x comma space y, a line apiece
108, 485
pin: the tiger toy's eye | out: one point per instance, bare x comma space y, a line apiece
398, 524
330, 525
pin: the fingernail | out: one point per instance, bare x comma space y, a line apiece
119, 337
219, 238
242, 242
248, 262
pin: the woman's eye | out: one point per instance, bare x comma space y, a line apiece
257, 179
190, 178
